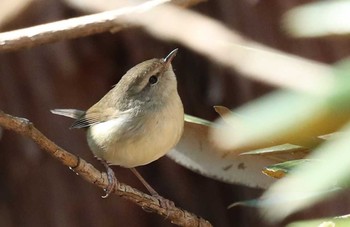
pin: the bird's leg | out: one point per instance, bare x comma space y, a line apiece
144, 182
165, 203
112, 181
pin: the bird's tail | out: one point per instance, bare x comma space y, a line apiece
71, 113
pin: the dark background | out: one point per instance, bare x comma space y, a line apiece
36, 190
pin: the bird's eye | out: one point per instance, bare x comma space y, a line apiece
153, 80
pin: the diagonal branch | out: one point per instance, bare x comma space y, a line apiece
174, 214
77, 27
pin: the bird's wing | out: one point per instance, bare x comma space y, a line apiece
95, 116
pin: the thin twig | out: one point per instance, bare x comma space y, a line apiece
70, 28
174, 214
76, 27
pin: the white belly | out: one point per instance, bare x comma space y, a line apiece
112, 142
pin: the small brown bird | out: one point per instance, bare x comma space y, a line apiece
136, 122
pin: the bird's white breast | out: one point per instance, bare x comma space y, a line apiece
102, 135
131, 141
108, 130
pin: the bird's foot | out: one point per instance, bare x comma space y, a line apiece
112, 181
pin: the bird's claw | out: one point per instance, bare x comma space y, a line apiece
112, 181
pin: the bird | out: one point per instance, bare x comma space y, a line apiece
135, 123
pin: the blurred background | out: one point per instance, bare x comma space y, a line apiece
36, 190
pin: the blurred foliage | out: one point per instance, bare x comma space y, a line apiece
321, 18
281, 169
343, 221
300, 119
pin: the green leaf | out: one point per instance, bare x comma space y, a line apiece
305, 20
281, 169
342, 221
289, 117
309, 182
275, 149
246, 203
297, 118
198, 120
278, 118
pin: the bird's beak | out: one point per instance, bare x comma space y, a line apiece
170, 57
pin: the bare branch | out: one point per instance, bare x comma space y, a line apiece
93, 6
176, 215
76, 27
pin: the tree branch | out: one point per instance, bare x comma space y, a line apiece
176, 215
76, 27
